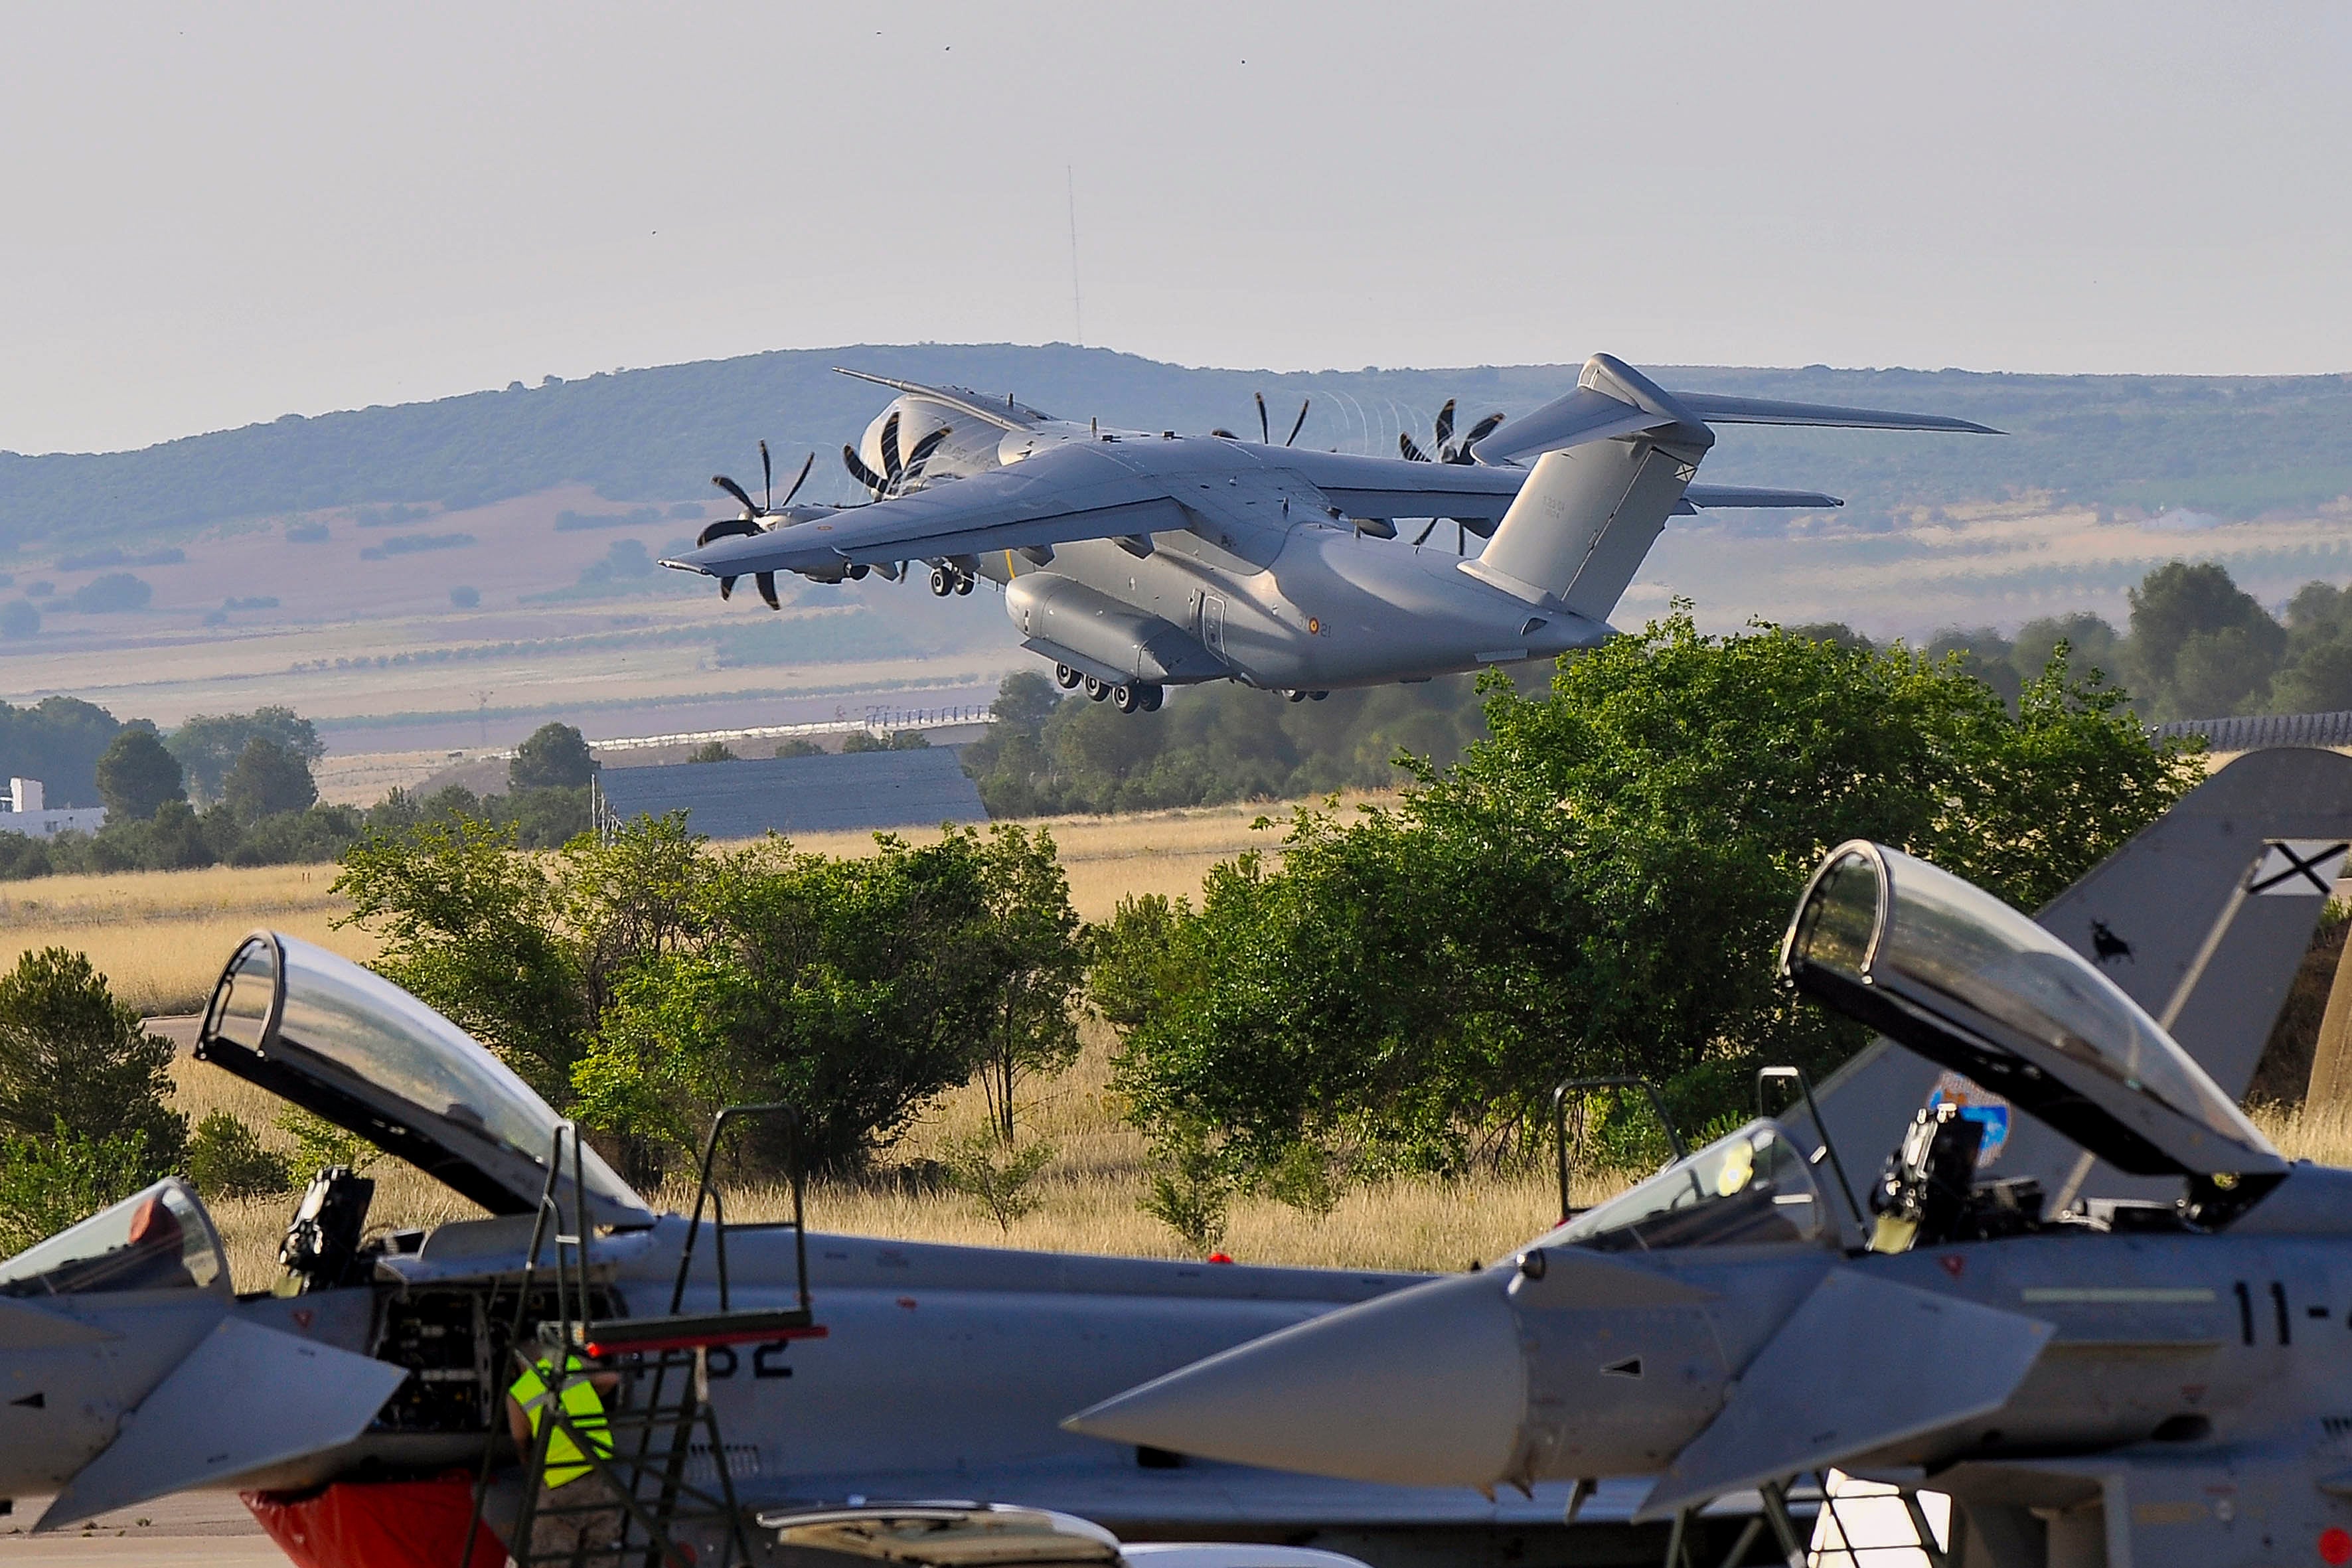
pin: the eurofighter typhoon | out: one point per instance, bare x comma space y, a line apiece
1137, 559
2154, 1381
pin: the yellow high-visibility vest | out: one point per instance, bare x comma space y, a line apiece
584, 1409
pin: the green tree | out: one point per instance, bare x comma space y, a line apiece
267, 780
209, 744
63, 1177
711, 751
528, 952
71, 1054
855, 989
1036, 959
555, 757
2202, 645
136, 776
797, 747
1600, 888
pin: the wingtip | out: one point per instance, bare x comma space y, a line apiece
683, 566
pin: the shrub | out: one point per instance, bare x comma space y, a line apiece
114, 591
1000, 1181
62, 1177
225, 1159
72, 1056
711, 751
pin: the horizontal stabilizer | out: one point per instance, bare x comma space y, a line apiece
244, 1398
1701, 497
1864, 1362
1718, 409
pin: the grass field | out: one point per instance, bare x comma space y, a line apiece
161, 936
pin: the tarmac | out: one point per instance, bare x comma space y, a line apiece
193, 1530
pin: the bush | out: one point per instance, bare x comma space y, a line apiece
225, 1159
799, 748
72, 1056
711, 751
1001, 1181
62, 1177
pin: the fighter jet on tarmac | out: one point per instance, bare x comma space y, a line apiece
1137, 559
2122, 1380
130, 1370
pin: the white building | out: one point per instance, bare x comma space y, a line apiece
21, 811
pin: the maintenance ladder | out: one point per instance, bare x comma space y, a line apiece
642, 1499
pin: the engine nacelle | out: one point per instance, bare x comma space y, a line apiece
1060, 618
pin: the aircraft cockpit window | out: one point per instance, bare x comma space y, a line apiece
158, 1240
1966, 979
312, 1005
1752, 1188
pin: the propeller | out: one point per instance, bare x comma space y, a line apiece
898, 475
1265, 426
1445, 448
1448, 451
752, 519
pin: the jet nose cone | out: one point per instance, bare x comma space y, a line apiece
1425, 1388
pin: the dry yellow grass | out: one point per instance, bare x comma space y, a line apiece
160, 937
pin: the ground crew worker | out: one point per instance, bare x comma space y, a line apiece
574, 1529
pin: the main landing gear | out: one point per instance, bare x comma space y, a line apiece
949, 579
1304, 696
1128, 697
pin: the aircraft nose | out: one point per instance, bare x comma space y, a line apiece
1424, 1387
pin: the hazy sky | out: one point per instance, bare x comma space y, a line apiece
214, 214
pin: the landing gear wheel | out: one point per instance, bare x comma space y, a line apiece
1066, 678
963, 583
1295, 696
856, 571
1096, 690
942, 584
1148, 697
1124, 697
1317, 696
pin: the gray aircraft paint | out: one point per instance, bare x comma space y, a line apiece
1140, 560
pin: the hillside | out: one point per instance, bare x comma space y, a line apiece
453, 573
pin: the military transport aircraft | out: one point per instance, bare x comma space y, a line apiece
1137, 559
130, 1370
2125, 1380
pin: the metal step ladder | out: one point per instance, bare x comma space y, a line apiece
652, 1486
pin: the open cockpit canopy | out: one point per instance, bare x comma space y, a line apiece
347, 1044
1969, 983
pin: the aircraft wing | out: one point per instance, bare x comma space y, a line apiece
1104, 489
1700, 497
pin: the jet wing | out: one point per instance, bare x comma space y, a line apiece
1864, 1362
1103, 490
244, 1398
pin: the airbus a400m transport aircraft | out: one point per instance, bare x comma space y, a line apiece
1137, 559
130, 1370
2137, 1383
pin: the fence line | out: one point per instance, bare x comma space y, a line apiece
2258, 729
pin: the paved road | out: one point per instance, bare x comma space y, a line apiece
195, 1530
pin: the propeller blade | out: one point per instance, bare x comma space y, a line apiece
1481, 430
1484, 527
726, 528
1413, 454
1446, 423
922, 454
732, 488
1226, 434
1426, 529
768, 476
1461, 538
891, 463
1264, 431
805, 466
766, 583
726, 587
1303, 405
875, 483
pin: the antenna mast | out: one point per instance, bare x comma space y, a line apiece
1077, 315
